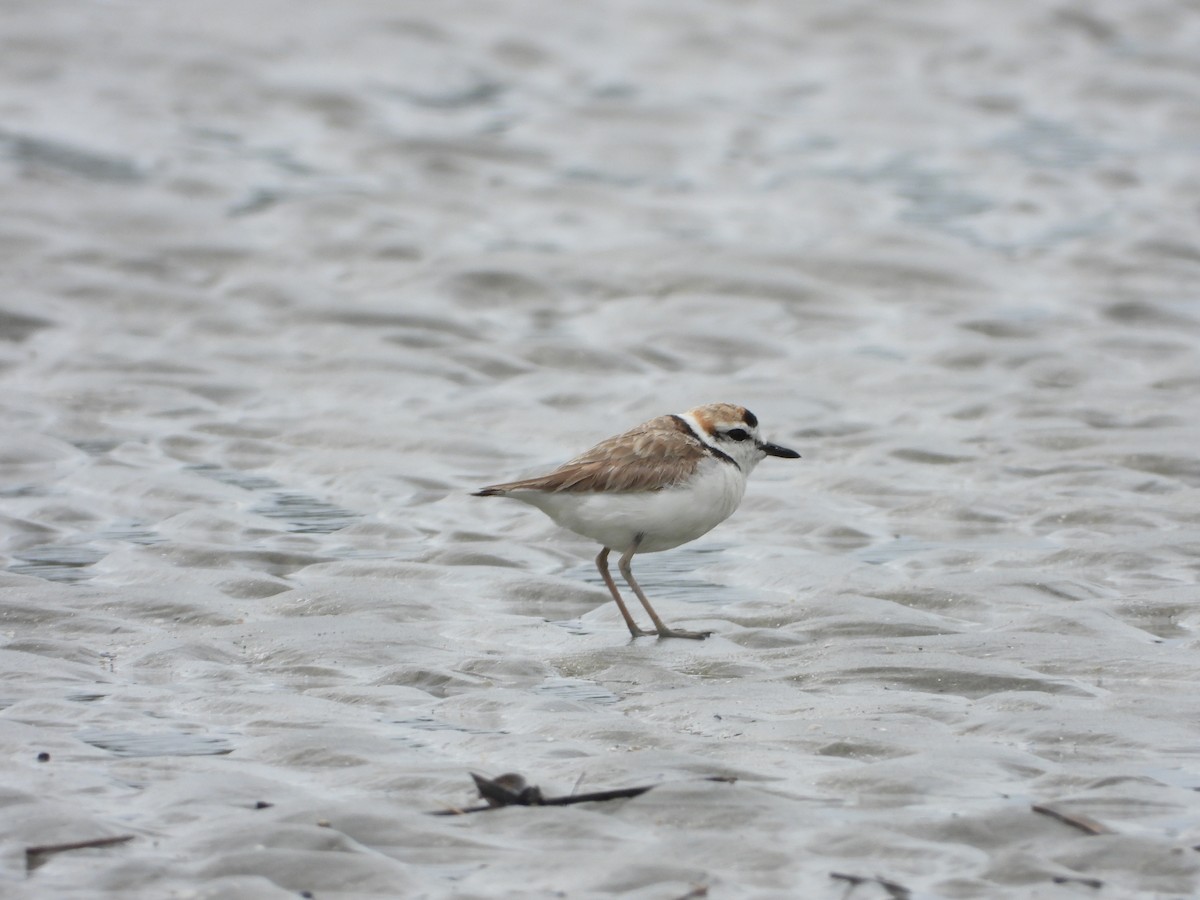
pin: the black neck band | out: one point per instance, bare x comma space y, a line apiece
719, 454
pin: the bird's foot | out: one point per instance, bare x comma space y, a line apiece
691, 635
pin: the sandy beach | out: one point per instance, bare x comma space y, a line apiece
283, 283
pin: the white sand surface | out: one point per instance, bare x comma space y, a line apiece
283, 282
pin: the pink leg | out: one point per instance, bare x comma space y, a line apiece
602, 565
625, 565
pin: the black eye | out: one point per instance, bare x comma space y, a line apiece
737, 434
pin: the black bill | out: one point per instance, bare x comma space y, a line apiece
776, 450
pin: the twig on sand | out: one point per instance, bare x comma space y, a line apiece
35, 856
512, 789
895, 891
1083, 823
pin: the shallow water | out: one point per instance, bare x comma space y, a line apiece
284, 282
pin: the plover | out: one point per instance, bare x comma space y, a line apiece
661, 484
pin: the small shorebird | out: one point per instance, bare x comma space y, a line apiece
661, 484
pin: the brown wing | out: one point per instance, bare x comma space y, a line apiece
655, 455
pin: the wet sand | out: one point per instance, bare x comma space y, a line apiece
284, 282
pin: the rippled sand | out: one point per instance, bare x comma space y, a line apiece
283, 282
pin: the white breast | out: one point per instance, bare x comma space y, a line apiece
665, 518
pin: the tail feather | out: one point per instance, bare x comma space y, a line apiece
487, 492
